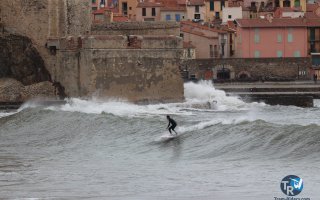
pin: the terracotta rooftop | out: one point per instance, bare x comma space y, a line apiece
196, 32
311, 15
277, 22
312, 7
181, 2
149, 4
120, 18
188, 45
231, 25
195, 2
173, 9
313, 22
199, 26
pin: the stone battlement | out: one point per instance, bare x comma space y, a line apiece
137, 28
116, 42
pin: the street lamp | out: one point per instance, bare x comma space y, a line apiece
223, 42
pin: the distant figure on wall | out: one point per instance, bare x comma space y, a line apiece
315, 77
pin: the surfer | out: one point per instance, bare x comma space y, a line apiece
172, 123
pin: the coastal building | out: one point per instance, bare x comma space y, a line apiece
173, 14
295, 4
208, 42
231, 13
214, 9
313, 17
173, 10
267, 38
196, 10
288, 13
128, 8
97, 4
148, 11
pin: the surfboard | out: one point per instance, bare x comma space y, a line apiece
167, 137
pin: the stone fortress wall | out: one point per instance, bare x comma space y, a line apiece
135, 61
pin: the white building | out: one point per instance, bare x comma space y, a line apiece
231, 13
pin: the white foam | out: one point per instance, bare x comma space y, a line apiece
200, 93
119, 108
6, 114
204, 91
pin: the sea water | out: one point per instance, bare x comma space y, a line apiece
111, 149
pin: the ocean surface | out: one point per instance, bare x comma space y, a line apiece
112, 149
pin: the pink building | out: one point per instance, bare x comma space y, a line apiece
268, 38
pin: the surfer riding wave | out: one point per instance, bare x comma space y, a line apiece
172, 124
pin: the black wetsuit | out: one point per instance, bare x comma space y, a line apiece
173, 125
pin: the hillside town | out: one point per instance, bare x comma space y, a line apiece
145, 50
233, 28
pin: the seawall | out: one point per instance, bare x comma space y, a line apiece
299, 93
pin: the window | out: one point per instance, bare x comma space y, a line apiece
94, 1
197, 9
296, 3
130, 8
144, 13
178, 17
168, 17
279, 38
257, 54
290, 37
181, 35
197, 16
256, 36
229, 16
296, 53
217, 15
211, 5
211, 51
286, 3
279, 54
239, 39
153, 12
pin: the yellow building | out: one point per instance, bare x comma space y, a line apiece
214, 9
298, 4
128, 8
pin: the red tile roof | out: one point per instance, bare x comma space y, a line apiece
199, 26
181, 2
188, 45
120, 18
311, 15
149, 4
276, 22
173, 9
313, 22
196, 32
195, 2
312, 7
231, 25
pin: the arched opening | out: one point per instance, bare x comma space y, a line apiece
223, 74
243, 75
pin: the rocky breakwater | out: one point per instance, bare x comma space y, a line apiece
23, 75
